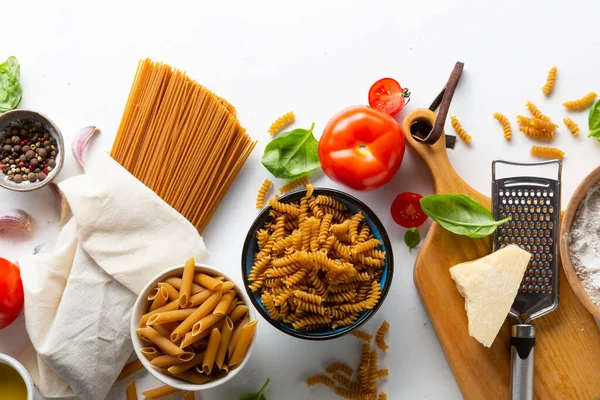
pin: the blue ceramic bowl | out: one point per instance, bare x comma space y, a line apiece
354, 205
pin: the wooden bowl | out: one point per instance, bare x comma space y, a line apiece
565, 254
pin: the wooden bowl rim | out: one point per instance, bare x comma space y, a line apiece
565, 255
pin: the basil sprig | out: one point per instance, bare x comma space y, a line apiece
292, 154
460, 214
594, 121
10, 85
412, 238
258, 395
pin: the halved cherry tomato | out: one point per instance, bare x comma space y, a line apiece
388, 96
11, 292
406, 210
361, 147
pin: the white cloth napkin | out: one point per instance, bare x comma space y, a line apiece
78, 301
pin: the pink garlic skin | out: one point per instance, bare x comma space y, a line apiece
63, 206
15, 219
80, 144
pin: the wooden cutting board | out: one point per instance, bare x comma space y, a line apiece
567, 353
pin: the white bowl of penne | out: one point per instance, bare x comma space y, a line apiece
192, 327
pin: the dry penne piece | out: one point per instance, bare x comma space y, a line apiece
172, 306
176, 283
162, 342
226, 333
211, 351
150, 353
131, 391
168, 360
173, 293
236, 334
208, 281
227, 286
186, 281
193, 377
241, 347
238, 312
129, 369
232, 307
170, 316
153, 293
160, 300
198, 314
223, 306
200, 298
179, 368
206, 323
162, 330
189, 396
159, 392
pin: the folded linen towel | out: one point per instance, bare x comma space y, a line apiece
78, 300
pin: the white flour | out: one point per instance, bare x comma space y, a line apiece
585, 243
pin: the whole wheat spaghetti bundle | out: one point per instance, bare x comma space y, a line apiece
181, 140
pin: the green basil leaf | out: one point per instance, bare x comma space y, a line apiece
292, 154
10, 85
258, 395
594, 121
460, 214
412, 238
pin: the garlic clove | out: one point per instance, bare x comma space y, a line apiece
63, 206
15, 219
82, 142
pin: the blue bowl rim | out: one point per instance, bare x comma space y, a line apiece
386, 244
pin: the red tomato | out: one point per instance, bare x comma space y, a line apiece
388, 96
11, 293
361, 147
406, 210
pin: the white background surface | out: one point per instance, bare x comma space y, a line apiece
78, 60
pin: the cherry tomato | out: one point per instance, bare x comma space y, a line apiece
361, 147
388, 96
11, 293
406, 210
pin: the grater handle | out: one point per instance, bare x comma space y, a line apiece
522, 345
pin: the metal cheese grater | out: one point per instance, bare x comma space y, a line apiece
534, 205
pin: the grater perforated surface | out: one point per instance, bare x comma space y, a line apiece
534, 205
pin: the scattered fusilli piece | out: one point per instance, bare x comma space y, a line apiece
536, 133
505, 125
382, 396
262, 193
293, 184
459, 129
362, 335
536, 112
282, 122
320, 379
547, 88
339, 366
573, 127
547, 152
536, 123
581, 103
379, 337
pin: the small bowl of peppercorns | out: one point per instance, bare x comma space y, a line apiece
31, 150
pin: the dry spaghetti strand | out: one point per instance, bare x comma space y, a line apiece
547, 88
547, 152
459, 130
169, 116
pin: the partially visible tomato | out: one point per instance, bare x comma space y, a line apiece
361, 147
11, 293
388, 96
406, 210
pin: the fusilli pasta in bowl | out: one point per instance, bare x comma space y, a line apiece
317, 263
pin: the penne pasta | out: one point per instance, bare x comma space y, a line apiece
206, 323
150, 353
189, 396
131, 392
167, 307
129, 369
202, 311
170, 316
177, 369
190, 339
226, 333
227, 286
173, 293
211, 351
159, 392
193, 377
186, 282
162, 330
169, 360
243, 343
208, 282
238, 312
223, 306
200, 297
232, 307
176, 283
153, 293
160, 299
162, 342
236, 334
224, 369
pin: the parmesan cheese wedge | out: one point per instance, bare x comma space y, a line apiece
489, 286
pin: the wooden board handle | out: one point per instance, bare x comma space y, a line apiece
445, 178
